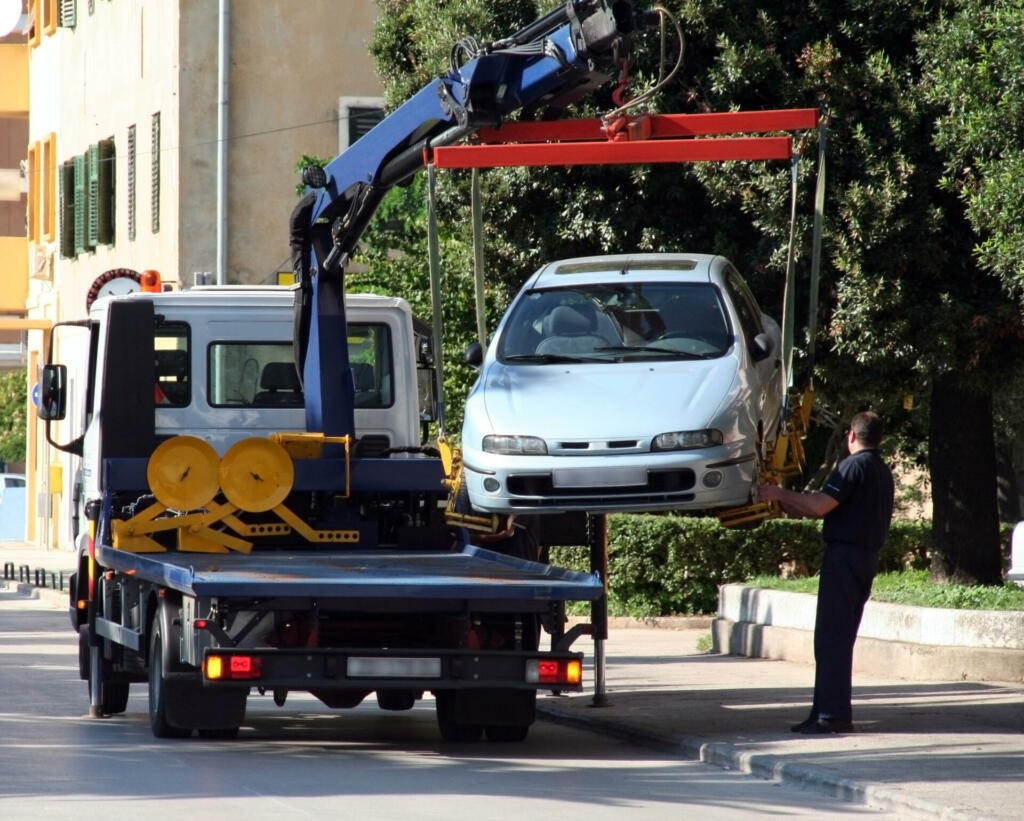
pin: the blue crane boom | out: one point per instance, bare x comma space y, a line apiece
550, 63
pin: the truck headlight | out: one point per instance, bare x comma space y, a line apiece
687, 439
515, 445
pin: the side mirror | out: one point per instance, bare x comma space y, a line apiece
763, 347
53, 396
475, 355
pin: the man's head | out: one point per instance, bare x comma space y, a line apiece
865, 431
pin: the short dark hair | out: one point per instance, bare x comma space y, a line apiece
867, 427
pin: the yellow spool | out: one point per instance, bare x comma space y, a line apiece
256, 475
183, 473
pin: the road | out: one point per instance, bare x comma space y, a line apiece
303, 760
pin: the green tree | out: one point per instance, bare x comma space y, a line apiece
906, 308
12, 416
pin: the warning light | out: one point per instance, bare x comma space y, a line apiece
233, 668
150, 283
554, 671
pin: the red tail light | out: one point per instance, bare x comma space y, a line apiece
554, 671
233, 668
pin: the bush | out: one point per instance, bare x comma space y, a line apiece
661, 565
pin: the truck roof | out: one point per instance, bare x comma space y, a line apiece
272, 296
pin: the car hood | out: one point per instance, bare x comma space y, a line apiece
596, 400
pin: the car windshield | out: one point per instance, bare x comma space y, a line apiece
635, 320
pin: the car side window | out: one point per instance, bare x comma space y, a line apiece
746, 307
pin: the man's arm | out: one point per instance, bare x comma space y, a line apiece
813, 504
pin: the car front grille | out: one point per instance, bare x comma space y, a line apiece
662, 486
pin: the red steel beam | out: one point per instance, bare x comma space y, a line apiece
662, 126
611, 153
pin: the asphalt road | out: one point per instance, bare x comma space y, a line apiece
305, 760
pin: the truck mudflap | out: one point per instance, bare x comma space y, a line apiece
472, 573
322, 669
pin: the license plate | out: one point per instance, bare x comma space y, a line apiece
603, 477
373, 667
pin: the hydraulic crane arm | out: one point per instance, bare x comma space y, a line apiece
548, 64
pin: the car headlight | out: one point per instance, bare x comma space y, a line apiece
515, 445
687, 439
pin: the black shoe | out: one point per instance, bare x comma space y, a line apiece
824, 726
807, 722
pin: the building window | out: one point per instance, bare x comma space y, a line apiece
34, 186
356, 116
131, 183
156, 173
49, 181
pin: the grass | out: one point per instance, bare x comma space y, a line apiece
913, 587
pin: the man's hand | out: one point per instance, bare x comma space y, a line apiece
812, 504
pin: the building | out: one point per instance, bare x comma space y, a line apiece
164, 135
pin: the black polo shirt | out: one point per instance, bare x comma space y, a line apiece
863, 486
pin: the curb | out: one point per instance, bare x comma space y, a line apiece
30, 591
726, 756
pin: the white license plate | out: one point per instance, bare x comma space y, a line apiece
602, 477
373, 667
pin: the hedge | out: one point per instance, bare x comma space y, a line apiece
662, 565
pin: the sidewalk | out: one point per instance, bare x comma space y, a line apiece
943, 749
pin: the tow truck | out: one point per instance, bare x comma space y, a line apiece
264, 514
257, 526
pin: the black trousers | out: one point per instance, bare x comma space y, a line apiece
843, 588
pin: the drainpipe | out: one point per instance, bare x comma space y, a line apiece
223, 67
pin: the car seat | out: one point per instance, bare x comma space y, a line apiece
571, 329
279, 385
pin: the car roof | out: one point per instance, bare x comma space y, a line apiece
613, 267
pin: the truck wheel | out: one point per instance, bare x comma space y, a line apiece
113, 694
158, 690
451, 729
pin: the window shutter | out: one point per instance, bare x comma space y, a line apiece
67, 15
81, 206
67, 209
131, 183
93, 193
155, 188
361, 120
105, 194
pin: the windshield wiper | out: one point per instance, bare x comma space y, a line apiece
651, 349
549, 358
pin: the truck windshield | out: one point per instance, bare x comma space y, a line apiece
263, 375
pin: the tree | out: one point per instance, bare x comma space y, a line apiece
12, 416
907, 309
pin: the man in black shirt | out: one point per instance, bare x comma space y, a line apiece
856, 504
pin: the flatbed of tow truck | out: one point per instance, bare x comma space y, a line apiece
470, 574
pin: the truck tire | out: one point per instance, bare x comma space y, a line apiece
159, 692
451, 728
113, 694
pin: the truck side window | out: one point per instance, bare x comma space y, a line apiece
253, 374
173, 367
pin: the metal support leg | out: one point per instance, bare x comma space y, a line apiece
95, 672
597, 538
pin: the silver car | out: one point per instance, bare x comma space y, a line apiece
624, 383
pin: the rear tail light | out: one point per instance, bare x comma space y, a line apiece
233, 668
554, 671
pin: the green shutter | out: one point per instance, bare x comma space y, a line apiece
81, 206
105, 194
67, 209
93, 192
67, 16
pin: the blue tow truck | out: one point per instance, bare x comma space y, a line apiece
264, 515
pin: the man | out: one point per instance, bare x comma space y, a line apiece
856, 504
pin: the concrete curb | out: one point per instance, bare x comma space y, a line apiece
727, 756
893, 640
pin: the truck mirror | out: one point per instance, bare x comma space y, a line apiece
427, 395
53, 381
